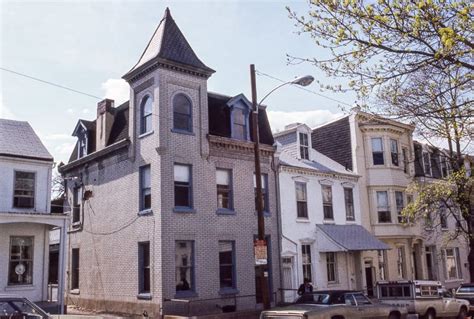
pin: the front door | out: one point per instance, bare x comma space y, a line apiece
369, 279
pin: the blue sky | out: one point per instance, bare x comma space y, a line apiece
89, 45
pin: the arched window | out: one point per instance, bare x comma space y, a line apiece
146, 112
182, 117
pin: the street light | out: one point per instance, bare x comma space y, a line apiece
302, 81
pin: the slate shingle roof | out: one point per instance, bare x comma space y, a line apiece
352, 237
168, 43
18, 139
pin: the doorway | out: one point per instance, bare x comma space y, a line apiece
369, 278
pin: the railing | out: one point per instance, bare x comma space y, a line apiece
210, 306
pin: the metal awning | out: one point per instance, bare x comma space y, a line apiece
334, 238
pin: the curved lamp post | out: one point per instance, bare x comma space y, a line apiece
262, 269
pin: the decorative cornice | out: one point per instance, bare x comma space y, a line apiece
312, 172
241, 146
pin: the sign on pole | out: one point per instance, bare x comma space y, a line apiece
260, 248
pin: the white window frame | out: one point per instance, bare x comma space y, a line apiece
307, 263
380, 151
304, 145
428, 154
331, 266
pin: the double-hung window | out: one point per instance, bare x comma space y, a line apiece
405, 159
184, 254
76, 204
75, 268
443, 217
306, 256
227, 264
349, 202
265, 201
24, 192
383, 208
427, 164
182, 186
20, 268
331, 266
301, 200
182, 113
145, 187
224, 188
394, 152
452, 263
239, 124
377, 151
327, 202
146, 114
304, 146
400, 205
401, 261
144, 267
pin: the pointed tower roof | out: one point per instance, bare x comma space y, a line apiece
169, 47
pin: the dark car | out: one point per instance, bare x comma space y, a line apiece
466, 292
15, 307
341, 304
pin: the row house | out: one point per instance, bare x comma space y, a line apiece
323, 239
161, 191
25, 214
446, 249
382, 152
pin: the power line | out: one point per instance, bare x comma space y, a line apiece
303, 88
50, 83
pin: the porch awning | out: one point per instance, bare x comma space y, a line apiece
334, 238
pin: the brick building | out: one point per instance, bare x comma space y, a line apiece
161, 191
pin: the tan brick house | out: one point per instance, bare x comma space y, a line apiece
161, 191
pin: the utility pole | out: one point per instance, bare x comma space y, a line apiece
261, 266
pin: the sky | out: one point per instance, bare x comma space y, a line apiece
89, 45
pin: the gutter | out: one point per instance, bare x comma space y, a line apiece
93, 156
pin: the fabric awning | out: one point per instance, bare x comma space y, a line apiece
334, 238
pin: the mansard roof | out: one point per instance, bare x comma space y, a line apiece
18, 139
169, 46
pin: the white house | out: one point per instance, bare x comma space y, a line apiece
25, 218
322, 236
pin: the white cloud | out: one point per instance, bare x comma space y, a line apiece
117, 90
5, 112
278, 119
70, 111
86, 111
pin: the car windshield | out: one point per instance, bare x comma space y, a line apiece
469, 289
314, 298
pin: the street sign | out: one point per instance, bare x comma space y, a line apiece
260, 248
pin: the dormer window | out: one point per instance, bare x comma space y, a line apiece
82, 147
304, 146
182, 113
82, 143
240, 110
146, 112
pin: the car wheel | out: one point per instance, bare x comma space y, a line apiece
430, 314
394, 315
462, 313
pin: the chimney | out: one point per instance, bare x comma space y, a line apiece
105, 119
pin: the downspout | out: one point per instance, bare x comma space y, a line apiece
278, 209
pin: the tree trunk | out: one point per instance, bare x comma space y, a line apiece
470, 258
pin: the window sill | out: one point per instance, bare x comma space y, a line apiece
328, 221
228, 291
19, 287
351, 221
145, 134
185, 210
225, 211
186, 294
145, 296
145, 212
75, 292
302, 220
182, 132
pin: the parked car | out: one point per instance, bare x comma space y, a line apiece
336, 304
426, 298
466, 292
15, 307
